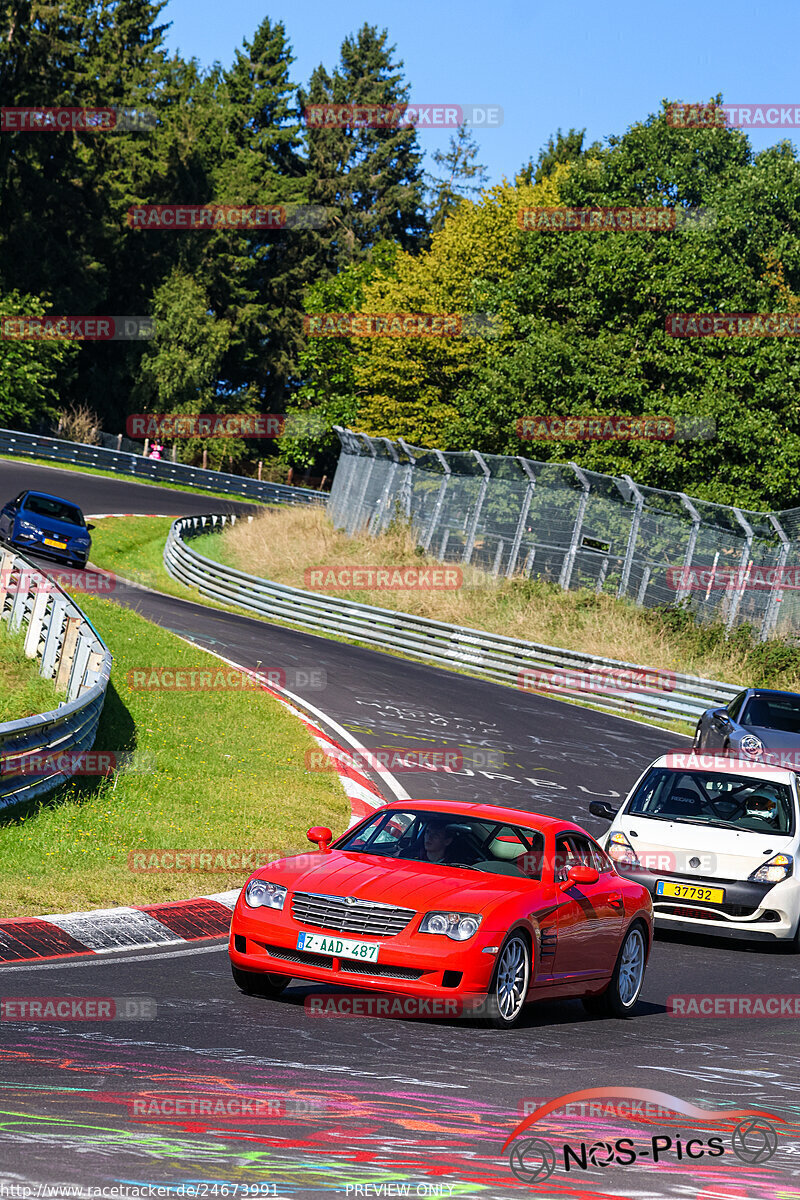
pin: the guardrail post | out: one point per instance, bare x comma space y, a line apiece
6, 568
473, 526
37, 620
776, 592
565, 577
437, 508
632, 536
523, 515
52, 639
683, 592
738, 591
78, 672
67, 653
21, 601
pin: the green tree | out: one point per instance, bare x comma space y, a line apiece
371, 177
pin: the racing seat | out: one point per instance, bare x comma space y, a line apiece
682, 803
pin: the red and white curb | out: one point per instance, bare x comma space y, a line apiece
105, 930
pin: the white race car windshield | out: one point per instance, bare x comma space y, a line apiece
754, 805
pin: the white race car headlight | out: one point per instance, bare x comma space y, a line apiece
260, 893
751, 745
621, 851
777, 868
457, 926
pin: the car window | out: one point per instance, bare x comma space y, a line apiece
57, 510
571, 850
774, 711
715, 798
448, 838
735, 705
600, 859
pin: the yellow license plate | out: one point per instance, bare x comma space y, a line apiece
690, 891
57, 545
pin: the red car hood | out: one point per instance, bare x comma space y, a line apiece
417, 885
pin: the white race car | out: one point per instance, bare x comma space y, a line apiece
715, 840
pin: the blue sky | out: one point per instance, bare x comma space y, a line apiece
589, 63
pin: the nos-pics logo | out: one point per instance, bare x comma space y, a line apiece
750, 1133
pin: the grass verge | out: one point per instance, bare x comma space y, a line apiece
133, 546
23, 692
225, 771
282, 543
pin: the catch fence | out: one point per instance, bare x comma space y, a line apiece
513, 516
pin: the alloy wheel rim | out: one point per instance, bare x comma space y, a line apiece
512, 979
631, 969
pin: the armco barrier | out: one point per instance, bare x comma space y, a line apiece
72, 654
492, 655
154, 470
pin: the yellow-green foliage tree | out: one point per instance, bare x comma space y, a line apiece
409, 386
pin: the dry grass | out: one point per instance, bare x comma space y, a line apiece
282, 543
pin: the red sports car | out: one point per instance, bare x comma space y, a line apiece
432, 898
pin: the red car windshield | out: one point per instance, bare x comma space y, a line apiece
449, 839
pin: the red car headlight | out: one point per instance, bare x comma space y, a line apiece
457, 926
260, 893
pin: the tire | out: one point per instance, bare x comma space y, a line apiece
510, 983
254, 983
620, 997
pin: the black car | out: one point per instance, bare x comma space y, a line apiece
757, 719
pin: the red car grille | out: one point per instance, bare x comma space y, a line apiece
378, 970
349, 915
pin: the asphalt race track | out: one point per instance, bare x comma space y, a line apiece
368, 1106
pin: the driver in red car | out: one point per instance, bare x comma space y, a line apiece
438, 839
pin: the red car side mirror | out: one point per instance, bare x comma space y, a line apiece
580, 874
322, 836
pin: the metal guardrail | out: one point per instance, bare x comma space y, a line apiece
148, 470
71, 653
502, 659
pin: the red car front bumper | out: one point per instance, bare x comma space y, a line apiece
409, 963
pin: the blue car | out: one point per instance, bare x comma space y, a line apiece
48, 525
